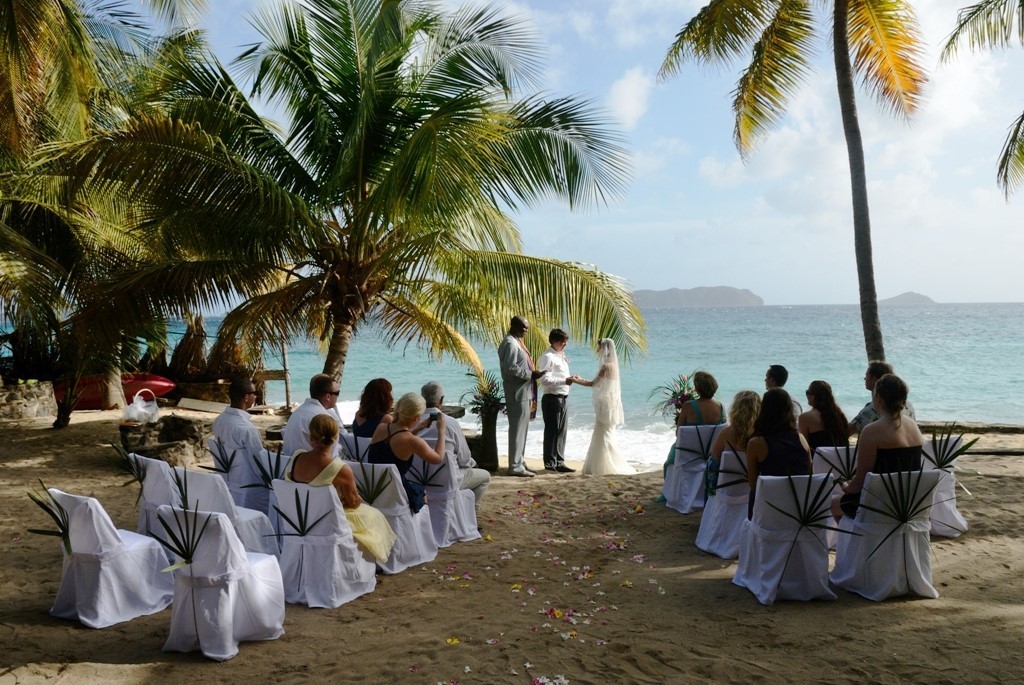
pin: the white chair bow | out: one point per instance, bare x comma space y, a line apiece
111, 575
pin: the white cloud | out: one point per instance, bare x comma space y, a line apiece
628, 96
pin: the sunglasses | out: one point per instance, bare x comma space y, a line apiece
334, 392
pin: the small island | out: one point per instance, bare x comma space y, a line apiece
717, 296
908, 299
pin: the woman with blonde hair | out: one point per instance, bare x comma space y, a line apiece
319, 467
742, 414
397, 442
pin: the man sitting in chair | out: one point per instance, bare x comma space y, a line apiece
876, 369
234, 428
455, 446
323, 396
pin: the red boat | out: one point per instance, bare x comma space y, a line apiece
90, 388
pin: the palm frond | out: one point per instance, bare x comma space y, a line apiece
302, 526
268, 476
887, 52
130, 465
721, 31
946, 448
58, 513
372, 483
223, 461
426, 474
844, 464
988, 23
1010, 174
906, 499
184, 537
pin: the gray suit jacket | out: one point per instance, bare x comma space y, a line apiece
515, 370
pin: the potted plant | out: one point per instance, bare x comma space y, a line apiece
487, 400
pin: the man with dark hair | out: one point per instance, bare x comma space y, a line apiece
456, 449
776, 377
519, 377
237, 434
556, 382
323, 397
876, 369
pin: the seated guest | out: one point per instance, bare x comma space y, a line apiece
397, 442
892, 443
776, 377
824, 424
456, 449
323, 397
777, 448
318, 466
374, 408
704, 410
234, 427
742, 413
876, 370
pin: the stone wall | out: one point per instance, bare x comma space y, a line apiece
27, 401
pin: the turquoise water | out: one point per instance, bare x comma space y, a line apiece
962, 361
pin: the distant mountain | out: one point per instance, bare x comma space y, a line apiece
909, 298
718, 296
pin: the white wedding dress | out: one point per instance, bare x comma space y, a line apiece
603, 456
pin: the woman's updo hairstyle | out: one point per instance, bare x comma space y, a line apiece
409, 407
892, 391
323, 430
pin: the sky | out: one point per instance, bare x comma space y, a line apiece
780, 224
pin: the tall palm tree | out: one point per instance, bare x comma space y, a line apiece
778, 35
386, 201
991, 23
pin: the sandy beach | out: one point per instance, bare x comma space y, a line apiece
579, 578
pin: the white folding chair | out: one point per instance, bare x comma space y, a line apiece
889, 553
783, 555
223, 595
721, 524
452, 510
270, 466
238, 471
415, 537
354, 448
209, 492
321, 563
684, 479
111, 575
157, 489
946, 519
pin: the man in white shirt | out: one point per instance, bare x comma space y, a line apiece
555, 381
236, 432
456, 449
323, 396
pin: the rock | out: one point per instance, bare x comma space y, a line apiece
179, 453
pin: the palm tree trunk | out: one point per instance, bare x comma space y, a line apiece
858, 184
113, 391
337, 353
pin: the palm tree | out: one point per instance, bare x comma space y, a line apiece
386, 200
64, 63
990, 23
778, 34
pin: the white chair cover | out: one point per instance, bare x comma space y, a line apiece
209, 492
241, 474
157, 489
415, 536
226, 595
353, 448
325, 567
452, 510
111, 575
833, 461
946, 519
875, 566
778, 558
684, 479
721, 524
262, 498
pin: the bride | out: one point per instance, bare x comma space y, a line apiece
602, 457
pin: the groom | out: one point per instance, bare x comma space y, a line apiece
556, 382
519, 376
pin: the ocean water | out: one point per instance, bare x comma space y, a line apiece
963, 362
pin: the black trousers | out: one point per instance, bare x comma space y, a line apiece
556, 424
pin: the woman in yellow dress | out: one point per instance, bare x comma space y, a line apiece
318, 466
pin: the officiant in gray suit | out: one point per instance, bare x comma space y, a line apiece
519, 377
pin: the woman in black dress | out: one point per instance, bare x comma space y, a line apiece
824, 424
777, 448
